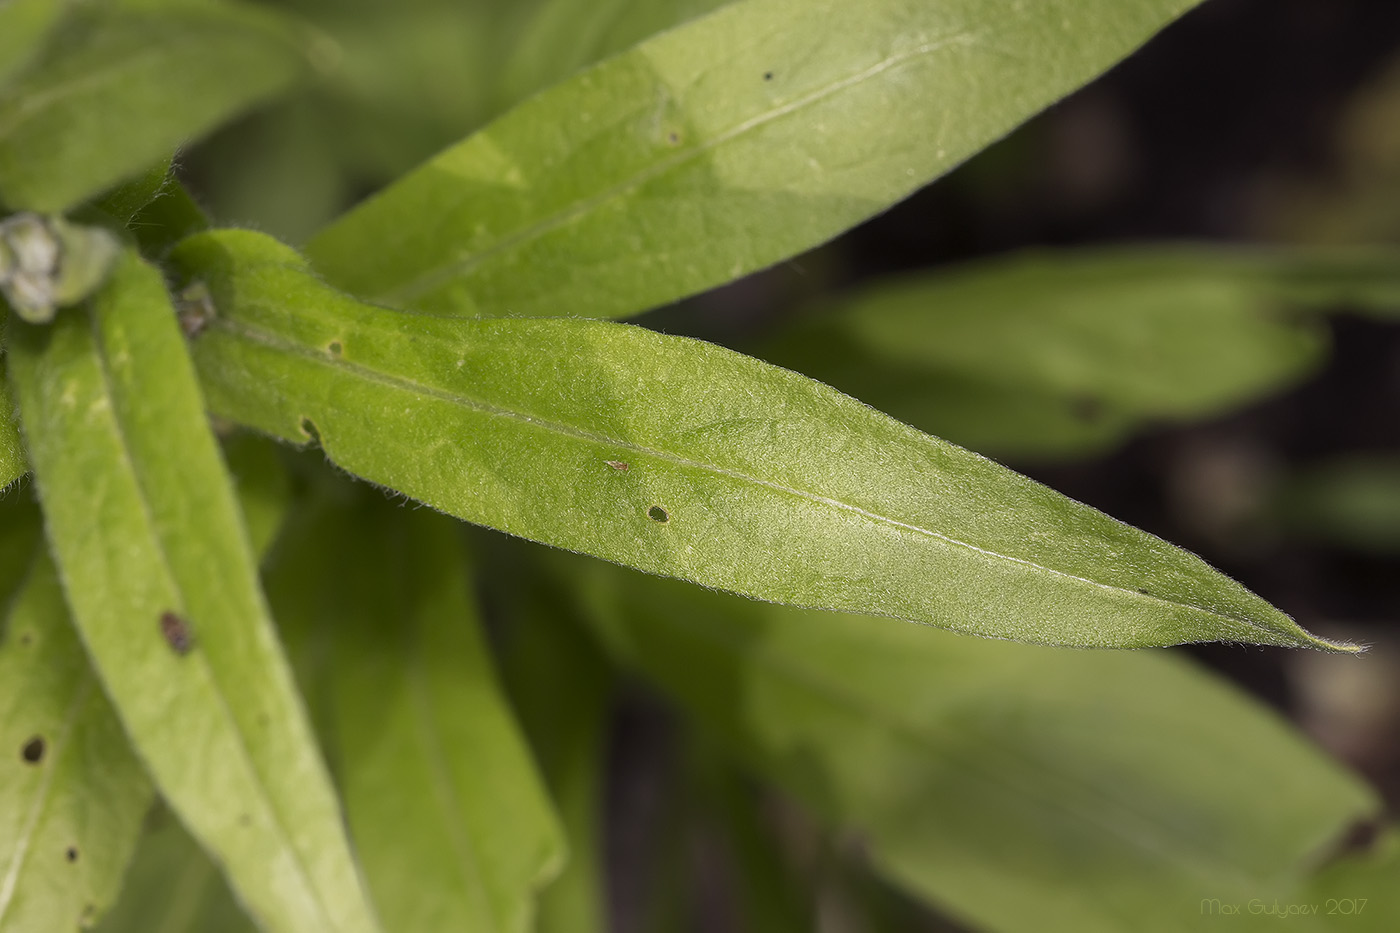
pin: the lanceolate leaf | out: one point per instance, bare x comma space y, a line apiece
72, 794
686, 459
122, 84
453, 826
718, 148
1023, 789
163, 589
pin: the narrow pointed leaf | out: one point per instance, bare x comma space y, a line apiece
685, 459
1062, 352
1020, 788
718, 148
123, 84
163, 589
454, 828
72, 793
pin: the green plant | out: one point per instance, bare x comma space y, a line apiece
442, 341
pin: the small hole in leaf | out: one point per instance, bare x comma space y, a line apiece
308, 427
334, 348
71, 854
657, 514
33, 750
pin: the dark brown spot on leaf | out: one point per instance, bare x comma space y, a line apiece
657, 514
177, 633
334, 348
618, 465
71, 854
768, 76
33, 751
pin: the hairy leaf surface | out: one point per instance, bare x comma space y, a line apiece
718, 148
685, 459
163, 588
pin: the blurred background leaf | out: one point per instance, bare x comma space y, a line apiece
1061, 354
1018, 787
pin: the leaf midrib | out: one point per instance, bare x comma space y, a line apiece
431, 278
239, 328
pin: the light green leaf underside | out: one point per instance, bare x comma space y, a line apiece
13, 464
718, 148
142, 520
121, 85
1064, 352
72, 794
453, 826
689, 460
1021, 788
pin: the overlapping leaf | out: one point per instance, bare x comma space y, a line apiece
122, 84
686, 459
1020, 788
718, 148
163, 589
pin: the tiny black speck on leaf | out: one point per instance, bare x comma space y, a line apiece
71, 854
657, 514
33, 750
768, 76
177, 633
